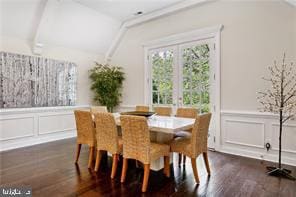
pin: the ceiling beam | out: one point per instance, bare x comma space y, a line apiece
291, 2
148, 17
44, 26
164, 12
115, 43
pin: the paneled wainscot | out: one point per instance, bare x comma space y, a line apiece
28, 126
246, 134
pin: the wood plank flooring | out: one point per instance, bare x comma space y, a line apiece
50, 170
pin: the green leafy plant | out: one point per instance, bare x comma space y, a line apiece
107, 84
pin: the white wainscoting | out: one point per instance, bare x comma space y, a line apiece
29, 126
242, 133
246, 133
56, 122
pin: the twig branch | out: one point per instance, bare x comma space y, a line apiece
288, 118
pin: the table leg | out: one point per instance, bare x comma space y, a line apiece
160, 138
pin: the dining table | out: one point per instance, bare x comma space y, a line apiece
162, 130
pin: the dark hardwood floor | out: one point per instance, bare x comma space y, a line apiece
50, 171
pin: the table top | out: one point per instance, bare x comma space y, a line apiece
165, 124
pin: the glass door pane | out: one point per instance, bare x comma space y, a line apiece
185, 79
162, 63
195, 72
183, 76
196, 80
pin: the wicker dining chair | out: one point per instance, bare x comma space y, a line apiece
163, 111
137, 145
142, 108
107, 139
196, 145
85, 133
185, 113
96, 109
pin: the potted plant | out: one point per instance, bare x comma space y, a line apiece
107, 84
280, 99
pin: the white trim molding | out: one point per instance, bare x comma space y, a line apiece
238, 113
249, 132
291, 2
23, 132
164, 12
45, 24
7, 111
244, 145
28, 126
292, 138
30, 141
244, 122
115, 43
195, 35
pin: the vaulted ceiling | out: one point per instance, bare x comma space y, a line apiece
88, 25
123, 10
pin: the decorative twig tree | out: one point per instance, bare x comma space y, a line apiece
280, 99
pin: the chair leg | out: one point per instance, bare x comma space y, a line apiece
114, 165
180, 158
184, 159
77, 152
91, 155
98, 160
194, 168
146, 177
206, 159
124, 169
166, 168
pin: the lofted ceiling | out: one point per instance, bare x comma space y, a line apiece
123, 10
58, 22
80, 27
94, 26
88, 25
20, 18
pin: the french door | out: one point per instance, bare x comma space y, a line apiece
183, 76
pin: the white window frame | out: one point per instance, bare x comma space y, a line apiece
148, 96
214, 33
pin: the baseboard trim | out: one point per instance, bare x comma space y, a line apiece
257, 155
26, 142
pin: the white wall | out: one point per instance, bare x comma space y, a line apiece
84, 61
294, 32
25, 127
254, 35
75, 35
